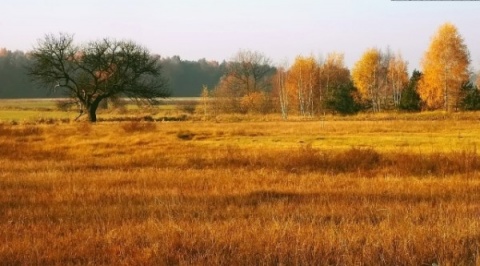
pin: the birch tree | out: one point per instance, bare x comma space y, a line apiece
366, 75
281, 91
445, 69
397, 77
303, 78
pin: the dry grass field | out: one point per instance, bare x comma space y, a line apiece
336, 192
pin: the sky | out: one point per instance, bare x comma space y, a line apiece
217, 29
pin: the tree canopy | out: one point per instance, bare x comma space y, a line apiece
366, 77
445, 69
97, 70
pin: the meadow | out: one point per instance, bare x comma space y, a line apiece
249, 190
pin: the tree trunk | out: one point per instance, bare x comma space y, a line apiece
445, 91
92, 110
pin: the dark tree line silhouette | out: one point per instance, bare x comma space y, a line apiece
185, 78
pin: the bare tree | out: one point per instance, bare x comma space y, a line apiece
97, 71
397, 77
243, 87
251, 71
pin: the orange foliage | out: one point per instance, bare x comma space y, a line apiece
104, 75
253, 102
445, 68
3, 52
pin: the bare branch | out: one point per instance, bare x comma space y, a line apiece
97, 70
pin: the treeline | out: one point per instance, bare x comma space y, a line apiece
14, 82
379, 81
185, 78
251, 83
311, 87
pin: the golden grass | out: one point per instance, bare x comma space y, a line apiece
203, 193
46, 111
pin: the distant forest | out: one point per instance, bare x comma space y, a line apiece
186, 78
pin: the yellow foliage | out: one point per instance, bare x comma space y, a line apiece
365, 72
302, 84
445, 67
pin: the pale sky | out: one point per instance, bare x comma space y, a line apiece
216, 30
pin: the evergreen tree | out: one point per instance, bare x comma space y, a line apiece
471, 101
342, 100
410, 100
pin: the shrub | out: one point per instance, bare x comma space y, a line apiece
187, 106
135, 126
185, 134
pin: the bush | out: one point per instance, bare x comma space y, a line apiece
136, 126
185, 134
187, 106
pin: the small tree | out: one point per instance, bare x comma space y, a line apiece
410, 99
471, 100
342, 100
97, 71
397, 78
248, 72
205, 98
255, 102
333, 73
